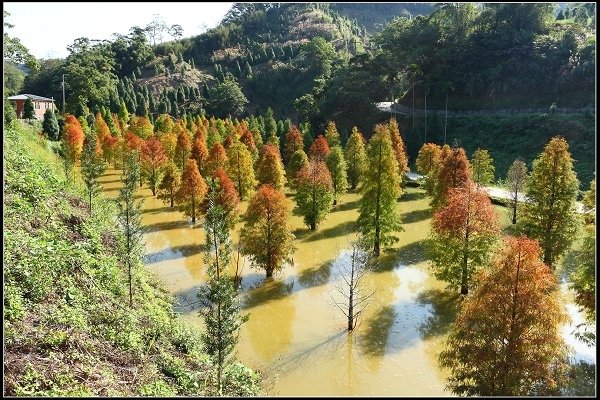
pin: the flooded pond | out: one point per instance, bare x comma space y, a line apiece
295, 335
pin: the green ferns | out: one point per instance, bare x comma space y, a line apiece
67, 329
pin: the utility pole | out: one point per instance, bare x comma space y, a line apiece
63, 88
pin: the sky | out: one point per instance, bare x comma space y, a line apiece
46, 29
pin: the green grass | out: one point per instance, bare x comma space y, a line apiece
67, 325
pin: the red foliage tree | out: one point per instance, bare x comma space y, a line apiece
319, 149
293, 143
248, 140
464, 232
153, 158
226, 197
455, 171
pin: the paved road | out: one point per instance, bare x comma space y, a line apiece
388, 106
493, 192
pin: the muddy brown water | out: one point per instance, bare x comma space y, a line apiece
295, 334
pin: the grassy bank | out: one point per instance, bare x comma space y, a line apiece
509, 137
68, 329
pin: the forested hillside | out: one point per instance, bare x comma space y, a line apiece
312, 63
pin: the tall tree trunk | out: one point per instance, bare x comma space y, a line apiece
193, 210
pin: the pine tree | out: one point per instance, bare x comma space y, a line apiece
463, 233
356, 158
129, 217
378, 217
50, 125
337, 167
267, 234
240, 169
314, 193
28, 112
219, 307
191, 190
270, 168
92, 167
483, 167
549, 214
270, 124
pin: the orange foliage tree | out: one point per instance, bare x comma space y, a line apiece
267, 234
454, 171
506, 339
293, 143
183, 147
319, 149
270, 168
248, 139
73, 139
217, 159
153, 159
225, 196
463, 233
399, 147
192, 189
199, 153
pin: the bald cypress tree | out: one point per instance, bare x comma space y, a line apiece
549, 215
378, 218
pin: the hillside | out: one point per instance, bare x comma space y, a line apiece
374, 16
68, 330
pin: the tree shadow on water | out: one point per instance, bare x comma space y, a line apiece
409, 254
351, 205
315, 276
165, 226
171, 253
374, 335
158, 210
445, 304
416, 216
268, 290
413, 196
336, 231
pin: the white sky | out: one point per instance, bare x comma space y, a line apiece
46, 29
